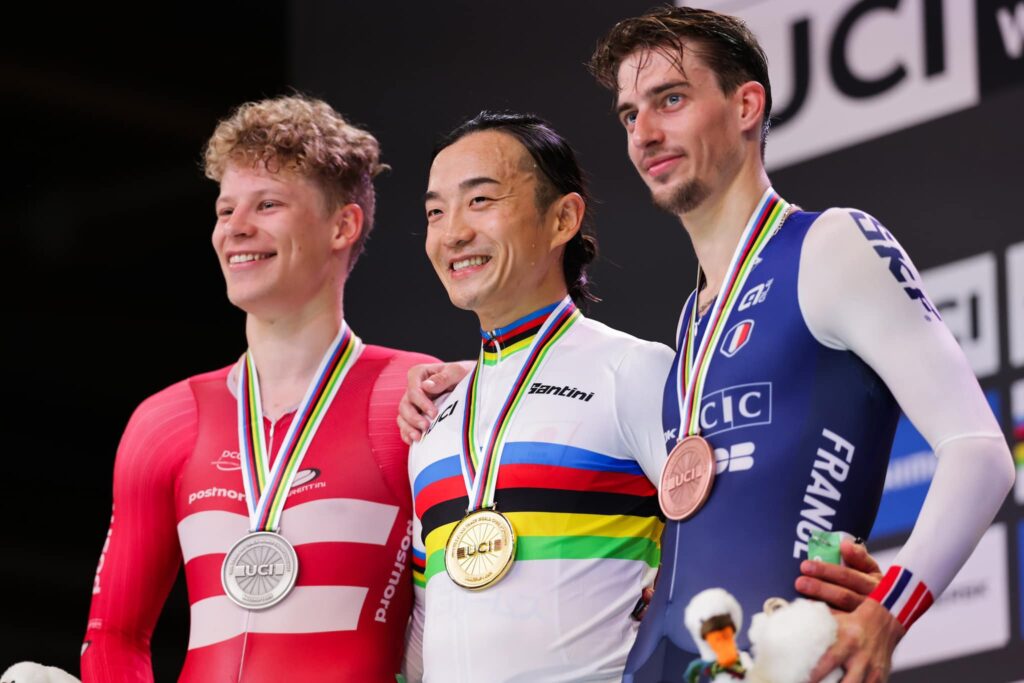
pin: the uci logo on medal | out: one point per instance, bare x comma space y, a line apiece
469, 550
692, 474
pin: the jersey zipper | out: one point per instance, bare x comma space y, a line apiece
493, 336
248, 619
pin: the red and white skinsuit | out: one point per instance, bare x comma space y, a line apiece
178, 496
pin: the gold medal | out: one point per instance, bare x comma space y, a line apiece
480, 550
482, 546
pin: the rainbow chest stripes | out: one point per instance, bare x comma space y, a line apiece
566, 480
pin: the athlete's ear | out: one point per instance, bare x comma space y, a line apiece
346, 226
567, 215
750, 101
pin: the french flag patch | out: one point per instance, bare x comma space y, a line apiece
906, 597
737, 337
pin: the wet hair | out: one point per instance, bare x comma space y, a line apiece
306, 136
558, 174
723, 42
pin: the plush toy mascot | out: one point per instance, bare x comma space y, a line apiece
713, 618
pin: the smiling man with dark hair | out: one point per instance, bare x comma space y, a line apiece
536, 522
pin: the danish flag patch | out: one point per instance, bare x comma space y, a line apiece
737, 337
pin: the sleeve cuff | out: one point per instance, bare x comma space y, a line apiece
905, 596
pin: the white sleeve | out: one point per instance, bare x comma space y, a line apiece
858, 291
639, 386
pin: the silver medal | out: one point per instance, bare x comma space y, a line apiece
259, 570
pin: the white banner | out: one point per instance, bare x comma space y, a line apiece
967, 296
846, 71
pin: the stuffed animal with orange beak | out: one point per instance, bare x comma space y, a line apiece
713, 618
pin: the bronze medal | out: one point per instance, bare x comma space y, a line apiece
480, 550
690, 471
687, 478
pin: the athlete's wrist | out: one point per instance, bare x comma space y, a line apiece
903, 595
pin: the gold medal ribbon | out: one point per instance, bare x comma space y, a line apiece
480, 474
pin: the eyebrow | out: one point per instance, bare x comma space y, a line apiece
654, 92
467, 184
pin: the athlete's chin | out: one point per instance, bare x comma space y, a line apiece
462, 297
242, 300
680, 197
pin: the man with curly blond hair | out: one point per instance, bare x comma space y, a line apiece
280, 480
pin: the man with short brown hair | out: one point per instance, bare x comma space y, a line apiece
806, 334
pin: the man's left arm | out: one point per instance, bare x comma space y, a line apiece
639, 386
860, 292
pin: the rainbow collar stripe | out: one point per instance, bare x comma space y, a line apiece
480, 473
266, 488
503, 342
692, 373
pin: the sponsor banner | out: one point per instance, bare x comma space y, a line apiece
1015, 298
965, 292
1017, 441
911, 466
847, 71
978, 595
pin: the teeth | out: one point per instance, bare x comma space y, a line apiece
245, 258
471, 261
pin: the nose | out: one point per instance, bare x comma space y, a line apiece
237, 224
646, 131
457, 232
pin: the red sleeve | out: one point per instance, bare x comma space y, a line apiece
141, 554
386, 442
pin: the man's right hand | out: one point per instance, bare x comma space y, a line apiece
425, 383
846, 586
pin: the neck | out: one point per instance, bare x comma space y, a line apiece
716, 225
288, 351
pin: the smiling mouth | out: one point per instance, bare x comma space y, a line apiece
469, 262
237, 259
662, 165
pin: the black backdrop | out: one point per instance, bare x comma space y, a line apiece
115, 292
